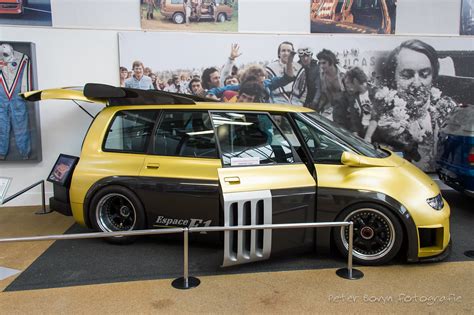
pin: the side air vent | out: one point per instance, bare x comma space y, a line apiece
248, 208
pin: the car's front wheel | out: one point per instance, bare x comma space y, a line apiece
378, 234
116, 208
178, 18
221, 17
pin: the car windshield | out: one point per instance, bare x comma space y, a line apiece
357, 143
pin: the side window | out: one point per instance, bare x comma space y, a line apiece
285, 126
251, 139
185, 133
130, 131
324, 147
176, 1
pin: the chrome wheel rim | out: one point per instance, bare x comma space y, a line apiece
115, 212
374, 234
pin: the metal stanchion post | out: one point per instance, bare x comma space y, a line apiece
186, 282
43, 200
349, 272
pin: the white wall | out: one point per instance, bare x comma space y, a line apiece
94, 14
70, 56
430, 17
65, 58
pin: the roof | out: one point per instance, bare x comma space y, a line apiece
225, 106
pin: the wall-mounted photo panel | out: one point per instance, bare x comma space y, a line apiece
26, 12
190, 15
395, 91
20, 138
467, 17
353, 16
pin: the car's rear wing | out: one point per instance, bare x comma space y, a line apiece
114, 96
67, 93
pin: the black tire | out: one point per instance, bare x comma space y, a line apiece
179, 18
116, 208
378, 234
221, 18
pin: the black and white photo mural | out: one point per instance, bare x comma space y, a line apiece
392, 91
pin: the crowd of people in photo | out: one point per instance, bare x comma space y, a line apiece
397, 105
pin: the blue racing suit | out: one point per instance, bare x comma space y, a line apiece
14, 111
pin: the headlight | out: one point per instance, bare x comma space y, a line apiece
436, 202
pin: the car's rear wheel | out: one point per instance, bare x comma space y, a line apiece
178, 18
378, 235
221, 18
116, 208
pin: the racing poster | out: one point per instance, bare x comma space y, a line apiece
190, 15
26, 12
393, 91
353, 16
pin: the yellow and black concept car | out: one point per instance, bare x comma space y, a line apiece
155, 159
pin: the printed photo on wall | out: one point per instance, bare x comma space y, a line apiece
20, 138
393, 91
467, 17
26, 12
353, 16
190, 15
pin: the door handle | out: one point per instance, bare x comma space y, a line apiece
153, 166
232, 180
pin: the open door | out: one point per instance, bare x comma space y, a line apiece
262, 181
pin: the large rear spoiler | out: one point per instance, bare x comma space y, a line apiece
114, 96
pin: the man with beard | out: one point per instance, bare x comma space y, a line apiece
409, 111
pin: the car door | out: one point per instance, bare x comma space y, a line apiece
262, 181
179, 183
323, 151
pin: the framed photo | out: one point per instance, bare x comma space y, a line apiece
63, 168
349, 16
32, 12
190, 15
20, 140
467, 17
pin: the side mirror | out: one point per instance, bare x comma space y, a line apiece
350, 159
355, 160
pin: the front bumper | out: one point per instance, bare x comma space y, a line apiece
432, 233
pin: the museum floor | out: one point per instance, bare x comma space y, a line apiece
400, 287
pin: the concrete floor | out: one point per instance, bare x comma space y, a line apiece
427, 288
